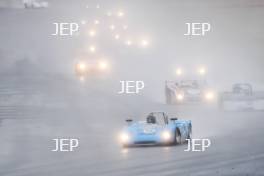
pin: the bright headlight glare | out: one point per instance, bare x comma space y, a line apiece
96, 21
209, 95
112, 27
92, 33
92, 48
128, 42
81, 66
120, 13
178, 71
166, 135
124, 137
103, 65
144, 43
180, 97
202, 71
117, 36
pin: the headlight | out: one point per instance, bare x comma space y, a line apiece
128, 42
112, 27
180, 97
92, 49
96, 21
144, 43
178, 71
117, 36
202, 71
102, 65
124, 138
92, 33
81, 67
209, 95
120, 13
166, 135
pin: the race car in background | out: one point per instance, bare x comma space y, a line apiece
87, 68
241, 97
157, 129
185, 90
23, 4
34, 4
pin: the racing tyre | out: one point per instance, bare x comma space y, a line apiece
189, 132
125, 146
168, 97
177, 138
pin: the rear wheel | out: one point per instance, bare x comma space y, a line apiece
189, 132
125, 146
169, 96
177, 137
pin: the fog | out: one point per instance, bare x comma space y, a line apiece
236, 38
43, 64
42, 98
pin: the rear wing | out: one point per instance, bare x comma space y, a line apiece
178, 84
172, 84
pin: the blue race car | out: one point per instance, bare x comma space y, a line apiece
157, 129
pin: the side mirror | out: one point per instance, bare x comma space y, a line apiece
174, 119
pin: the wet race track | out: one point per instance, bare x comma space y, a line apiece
43, 97
27, 133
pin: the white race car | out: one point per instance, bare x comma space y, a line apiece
34, 4
187, 91
23, 4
